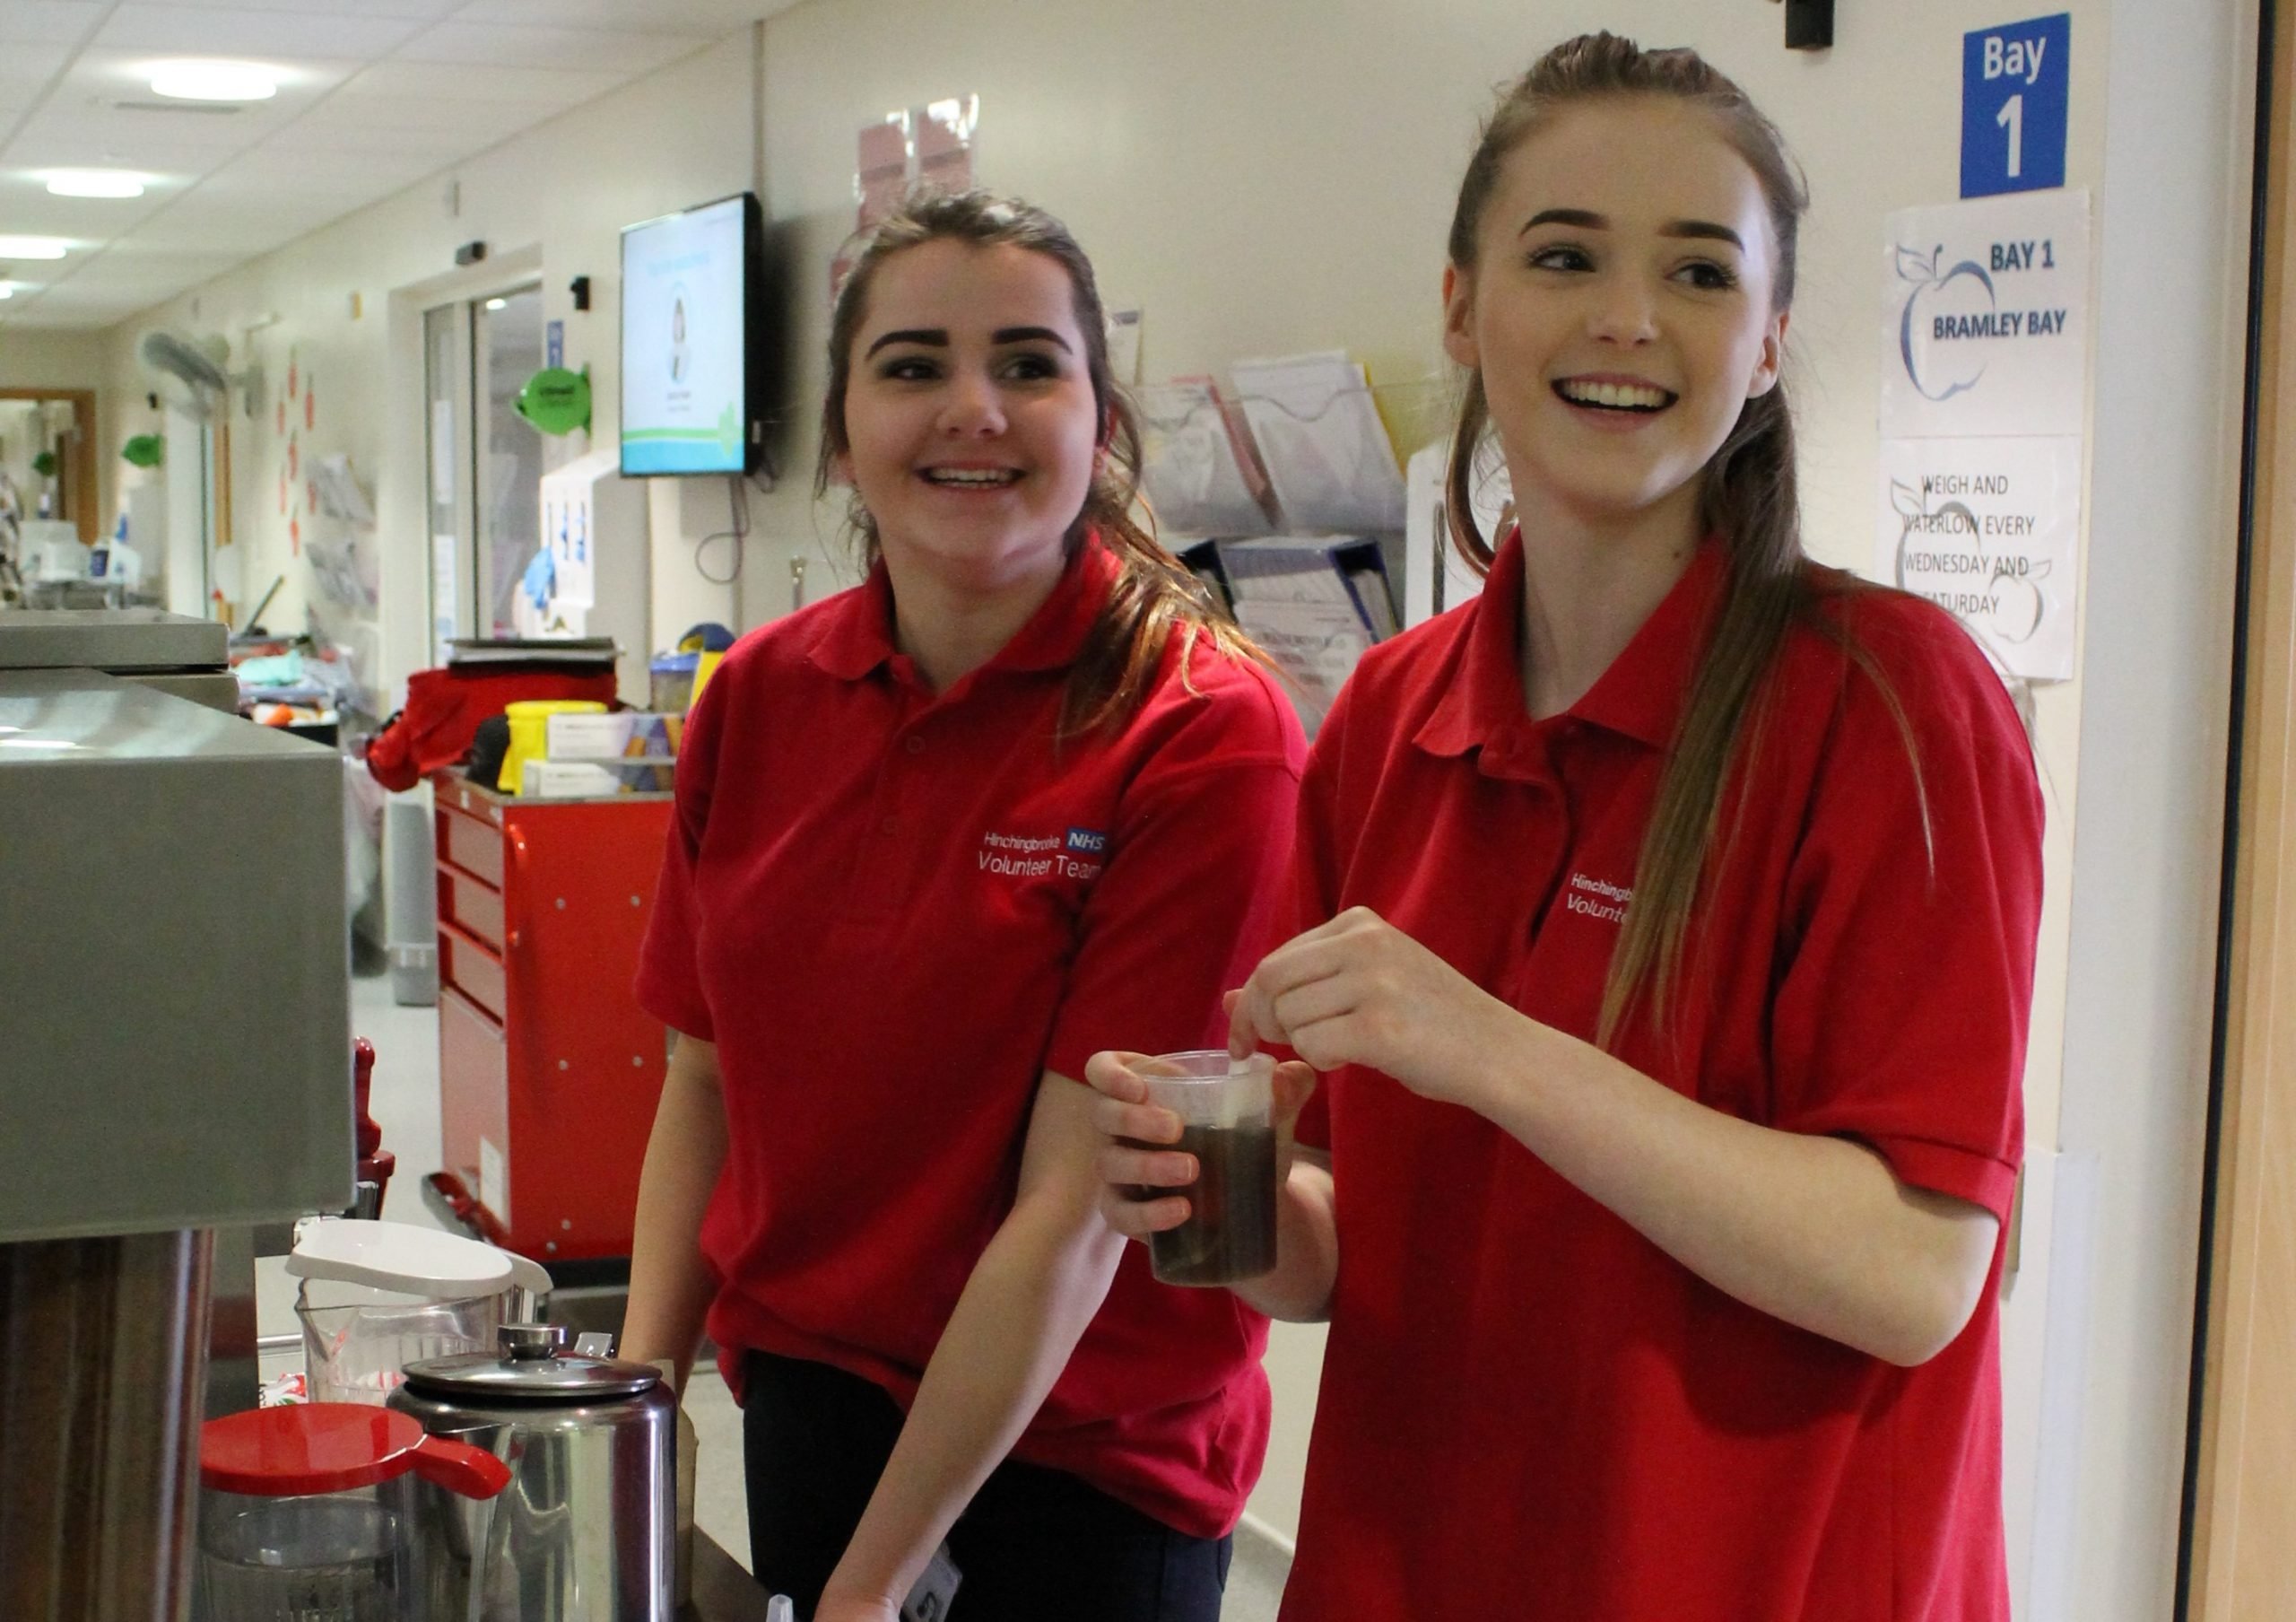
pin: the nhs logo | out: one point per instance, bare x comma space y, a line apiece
1087, 842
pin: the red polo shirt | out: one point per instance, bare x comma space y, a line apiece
893, 912
1527, 1408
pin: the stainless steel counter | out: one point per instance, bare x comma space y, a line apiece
175, 1033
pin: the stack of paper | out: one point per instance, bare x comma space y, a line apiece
1315, 603
1198, 468
1327, 453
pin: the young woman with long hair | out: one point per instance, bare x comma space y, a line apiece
1664, 936
938, 839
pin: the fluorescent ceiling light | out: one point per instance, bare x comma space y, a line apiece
498, 303
7, 291
33, 247
214, 81
95, 183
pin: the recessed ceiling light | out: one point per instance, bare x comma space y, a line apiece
95, 183
214, 81
7, 291
498, 303
33, 247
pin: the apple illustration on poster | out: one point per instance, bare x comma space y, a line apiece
1934, 292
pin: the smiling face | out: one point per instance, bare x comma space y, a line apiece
1620, 306
971, 429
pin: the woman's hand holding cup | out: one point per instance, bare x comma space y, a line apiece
1162, 1118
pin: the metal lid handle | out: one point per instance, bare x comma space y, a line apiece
522, 1342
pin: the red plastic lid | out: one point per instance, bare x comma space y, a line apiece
312, 1447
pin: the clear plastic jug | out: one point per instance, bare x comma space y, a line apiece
306, 1513
375, 1296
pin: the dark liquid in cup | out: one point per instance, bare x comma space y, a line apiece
1229, 1234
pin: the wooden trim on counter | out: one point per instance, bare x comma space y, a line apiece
2241, 1562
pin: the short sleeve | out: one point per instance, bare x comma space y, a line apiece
669, 980
1913, 903
1194, 878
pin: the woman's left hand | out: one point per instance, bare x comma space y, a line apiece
1358, 990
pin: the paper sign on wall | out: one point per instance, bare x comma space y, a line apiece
1984, 397
1985, 317
1989, 530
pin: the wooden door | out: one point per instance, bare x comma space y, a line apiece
2241, 1564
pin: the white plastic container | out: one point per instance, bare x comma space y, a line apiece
375, 1296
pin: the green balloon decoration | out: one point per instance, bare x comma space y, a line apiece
556, 400
144, 451
44, 464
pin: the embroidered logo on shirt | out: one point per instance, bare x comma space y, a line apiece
1598, 898
1049, 856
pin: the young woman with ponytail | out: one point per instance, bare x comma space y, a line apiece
1018, 795
1663, 936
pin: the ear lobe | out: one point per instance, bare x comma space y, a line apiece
1772, 358
1458, 317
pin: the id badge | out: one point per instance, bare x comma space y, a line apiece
928, 1601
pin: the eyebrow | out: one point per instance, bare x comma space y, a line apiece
1586, 219
937, 337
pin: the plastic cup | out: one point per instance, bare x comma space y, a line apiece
1227, 1122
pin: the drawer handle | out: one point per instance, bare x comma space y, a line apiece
514, 931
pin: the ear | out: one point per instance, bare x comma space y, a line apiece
1773, 357
840, 469
1458, 316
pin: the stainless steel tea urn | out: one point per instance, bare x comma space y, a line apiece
583, 1532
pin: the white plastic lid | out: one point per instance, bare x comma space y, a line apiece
418, 1262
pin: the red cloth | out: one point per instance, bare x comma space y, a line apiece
445, 706
892, 913
1529, 1409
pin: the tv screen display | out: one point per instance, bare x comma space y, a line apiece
690, 310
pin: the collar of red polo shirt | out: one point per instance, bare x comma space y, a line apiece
1640, 695
854, 643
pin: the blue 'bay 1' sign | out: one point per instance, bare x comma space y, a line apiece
2015, 82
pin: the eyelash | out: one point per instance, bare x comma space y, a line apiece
1020, 368
1722, 278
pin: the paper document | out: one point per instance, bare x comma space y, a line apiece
1435, 576
1199, 475
1327, 453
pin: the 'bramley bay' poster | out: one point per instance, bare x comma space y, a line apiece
1984, 394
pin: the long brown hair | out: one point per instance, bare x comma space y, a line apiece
1749, 497
1154, 597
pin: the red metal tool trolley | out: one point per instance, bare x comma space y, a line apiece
548, 1069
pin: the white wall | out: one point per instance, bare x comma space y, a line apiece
2156, 671
549, 205
38, 357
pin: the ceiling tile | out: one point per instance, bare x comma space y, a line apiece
494, 44
538, 87
34, 64
157, 143
221, 31
708, 18
64, 22
414, 128
243, 226
417, 9
30, 211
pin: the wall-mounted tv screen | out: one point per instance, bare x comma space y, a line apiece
692, 303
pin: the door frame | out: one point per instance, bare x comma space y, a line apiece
79, 468
2236, 1561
